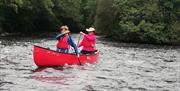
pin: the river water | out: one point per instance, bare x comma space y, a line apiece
121, 67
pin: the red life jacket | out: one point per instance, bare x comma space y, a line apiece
88, 42
63, 42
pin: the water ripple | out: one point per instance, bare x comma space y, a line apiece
121, 67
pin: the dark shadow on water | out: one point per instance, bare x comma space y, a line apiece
109, 42
2, 83
60, 68
40, 69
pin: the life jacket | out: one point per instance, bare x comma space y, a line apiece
63, 42
89, 45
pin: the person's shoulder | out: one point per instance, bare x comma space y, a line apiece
94, 35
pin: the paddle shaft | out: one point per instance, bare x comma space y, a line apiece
79, 61
78, 56
77, 44
79, 39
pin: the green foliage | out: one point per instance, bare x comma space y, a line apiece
88, 8
147, 21
68, 8
69, 12
104, 16
45, 15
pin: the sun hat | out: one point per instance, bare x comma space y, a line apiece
90, 29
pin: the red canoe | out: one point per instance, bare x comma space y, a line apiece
45, 57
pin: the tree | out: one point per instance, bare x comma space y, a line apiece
149, 21
88, 10
104, 16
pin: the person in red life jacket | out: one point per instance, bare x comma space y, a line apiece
64, 40
88, 41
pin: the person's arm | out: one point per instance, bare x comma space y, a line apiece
59, 36
70, 41
81, 43
87, 36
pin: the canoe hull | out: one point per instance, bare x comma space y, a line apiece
44, 57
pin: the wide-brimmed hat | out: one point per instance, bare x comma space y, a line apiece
91, 29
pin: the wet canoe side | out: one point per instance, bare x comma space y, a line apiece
46, 57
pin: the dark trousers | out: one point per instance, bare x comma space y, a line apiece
88, 52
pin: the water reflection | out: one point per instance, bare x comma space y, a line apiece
40, 74
41, 69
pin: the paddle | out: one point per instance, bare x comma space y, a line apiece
79, 39
79, 61
77, 44
78, 54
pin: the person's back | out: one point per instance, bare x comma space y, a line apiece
64, 40
88, 41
